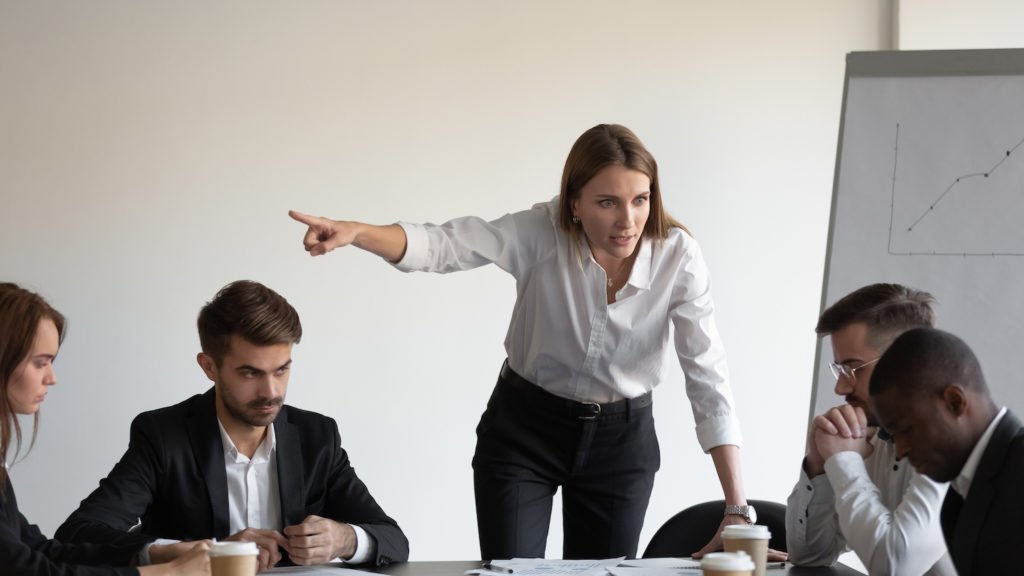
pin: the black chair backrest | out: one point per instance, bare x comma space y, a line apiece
689, 530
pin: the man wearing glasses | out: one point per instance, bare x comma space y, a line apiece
853, 492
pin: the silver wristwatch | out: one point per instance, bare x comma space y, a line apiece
747, 512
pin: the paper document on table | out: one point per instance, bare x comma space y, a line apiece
542, 567
661, 563
322, 570
634, 571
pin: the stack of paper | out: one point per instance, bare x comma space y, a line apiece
657, 567
542, 567
611, 566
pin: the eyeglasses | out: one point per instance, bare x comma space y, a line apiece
845, 370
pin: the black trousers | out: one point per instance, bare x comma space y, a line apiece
530, 442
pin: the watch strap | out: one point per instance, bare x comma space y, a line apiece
737, 510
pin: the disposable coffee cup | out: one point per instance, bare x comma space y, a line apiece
727, 564
233, 558
750, 538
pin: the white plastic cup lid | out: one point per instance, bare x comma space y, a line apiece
746, 531
234, 549
727, 561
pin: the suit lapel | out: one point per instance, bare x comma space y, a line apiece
291, 474
950, 514
204, 434
976, 508
968, 523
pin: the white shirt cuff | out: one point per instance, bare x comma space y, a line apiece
719, 431
844, 467
366, 547
144, 553
417, 248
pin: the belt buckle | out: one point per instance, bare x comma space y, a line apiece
593, 409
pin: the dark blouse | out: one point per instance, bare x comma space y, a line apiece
24, 551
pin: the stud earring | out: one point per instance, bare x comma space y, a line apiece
575, 219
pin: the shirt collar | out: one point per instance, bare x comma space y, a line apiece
263, 453
640, 275
962, 484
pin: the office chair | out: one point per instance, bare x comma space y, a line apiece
689, 530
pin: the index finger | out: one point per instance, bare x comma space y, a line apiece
839, 420
825, 425
302, 529
855, 419
261, 536
304, 218
278, 538
776, 556
862, 416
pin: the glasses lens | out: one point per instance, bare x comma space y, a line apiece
840, 370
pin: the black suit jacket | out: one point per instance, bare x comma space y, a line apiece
24, 551
983, 532
172, 482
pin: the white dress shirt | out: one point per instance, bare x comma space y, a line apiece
254, 500
962, 483
879, 507
566, 338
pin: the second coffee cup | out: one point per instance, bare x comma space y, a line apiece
727, 564
750, 538
233, 558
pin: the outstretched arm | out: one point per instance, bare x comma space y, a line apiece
324, 235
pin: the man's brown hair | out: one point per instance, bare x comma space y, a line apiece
888, 310
250, 310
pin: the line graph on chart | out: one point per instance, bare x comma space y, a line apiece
959, 197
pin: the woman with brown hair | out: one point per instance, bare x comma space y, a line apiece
31, 332
602, 275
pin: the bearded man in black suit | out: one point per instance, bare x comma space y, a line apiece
236, 463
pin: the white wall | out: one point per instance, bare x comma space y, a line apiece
149, 152
959, 24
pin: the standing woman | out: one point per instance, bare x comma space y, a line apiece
602, 273
30, 334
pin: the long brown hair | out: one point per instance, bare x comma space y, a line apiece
611, 145
20, 314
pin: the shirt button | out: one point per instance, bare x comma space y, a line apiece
809, 487
895, 466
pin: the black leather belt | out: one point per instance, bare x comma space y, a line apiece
581, 410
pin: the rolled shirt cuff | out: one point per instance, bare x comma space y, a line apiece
717, 431
417, 248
